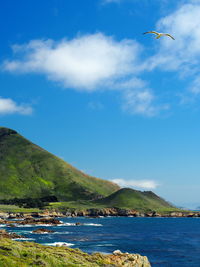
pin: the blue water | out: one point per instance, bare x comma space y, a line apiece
165, 241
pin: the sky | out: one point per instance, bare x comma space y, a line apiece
80, 79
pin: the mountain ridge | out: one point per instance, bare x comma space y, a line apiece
27, 170
129, 198
32, 177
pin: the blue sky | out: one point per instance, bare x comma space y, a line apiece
81, 80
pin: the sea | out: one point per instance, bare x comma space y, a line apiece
165, 241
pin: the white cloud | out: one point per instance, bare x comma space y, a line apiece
195, 86
183, 54
83, 63
98, 62
139, 102
8, 106
143, 184
88, 63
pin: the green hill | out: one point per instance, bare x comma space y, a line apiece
28, 171
133, 199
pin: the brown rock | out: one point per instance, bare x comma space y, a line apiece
4, 234
33, 221
42, 231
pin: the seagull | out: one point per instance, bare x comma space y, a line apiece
159, 34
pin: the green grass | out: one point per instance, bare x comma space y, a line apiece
27, 170
16, 209
78, 205
124, 198
133, 199
25, 254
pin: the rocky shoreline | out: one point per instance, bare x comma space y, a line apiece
24, 254
9, 246
94, 213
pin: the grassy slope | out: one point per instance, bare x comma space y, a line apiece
24, 254
27, 170
125, 198
133, 199
16, 209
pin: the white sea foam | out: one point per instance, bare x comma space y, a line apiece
21, 231
42, 233
93, 224
82, 224
67, 224
104, 245
2, 225
34, 225
47, 225
51, 233
59, 244
23, 239
61, 233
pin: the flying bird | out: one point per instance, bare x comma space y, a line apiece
159, 34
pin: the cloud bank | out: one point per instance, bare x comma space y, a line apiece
83, 63
183, 55
142, 184
88, 63
96, 62
8, 106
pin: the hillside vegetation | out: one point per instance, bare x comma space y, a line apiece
124, 198
31, 177
28, 171
133, 199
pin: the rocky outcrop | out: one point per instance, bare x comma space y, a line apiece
48, 216
125, 259
33, 221
4, 234
43, 231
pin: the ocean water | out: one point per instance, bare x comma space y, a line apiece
165, 241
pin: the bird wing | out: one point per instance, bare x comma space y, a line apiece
169, 35
151, 32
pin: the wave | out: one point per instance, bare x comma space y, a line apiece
21, 231
82, 224
42, 233
36, 225
59, 244
93, 224
23, 239
61, 233
104, 245
67, 224
50, 225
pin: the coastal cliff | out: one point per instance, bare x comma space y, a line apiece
95, 213
24, 254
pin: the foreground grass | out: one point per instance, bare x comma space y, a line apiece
23, 254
